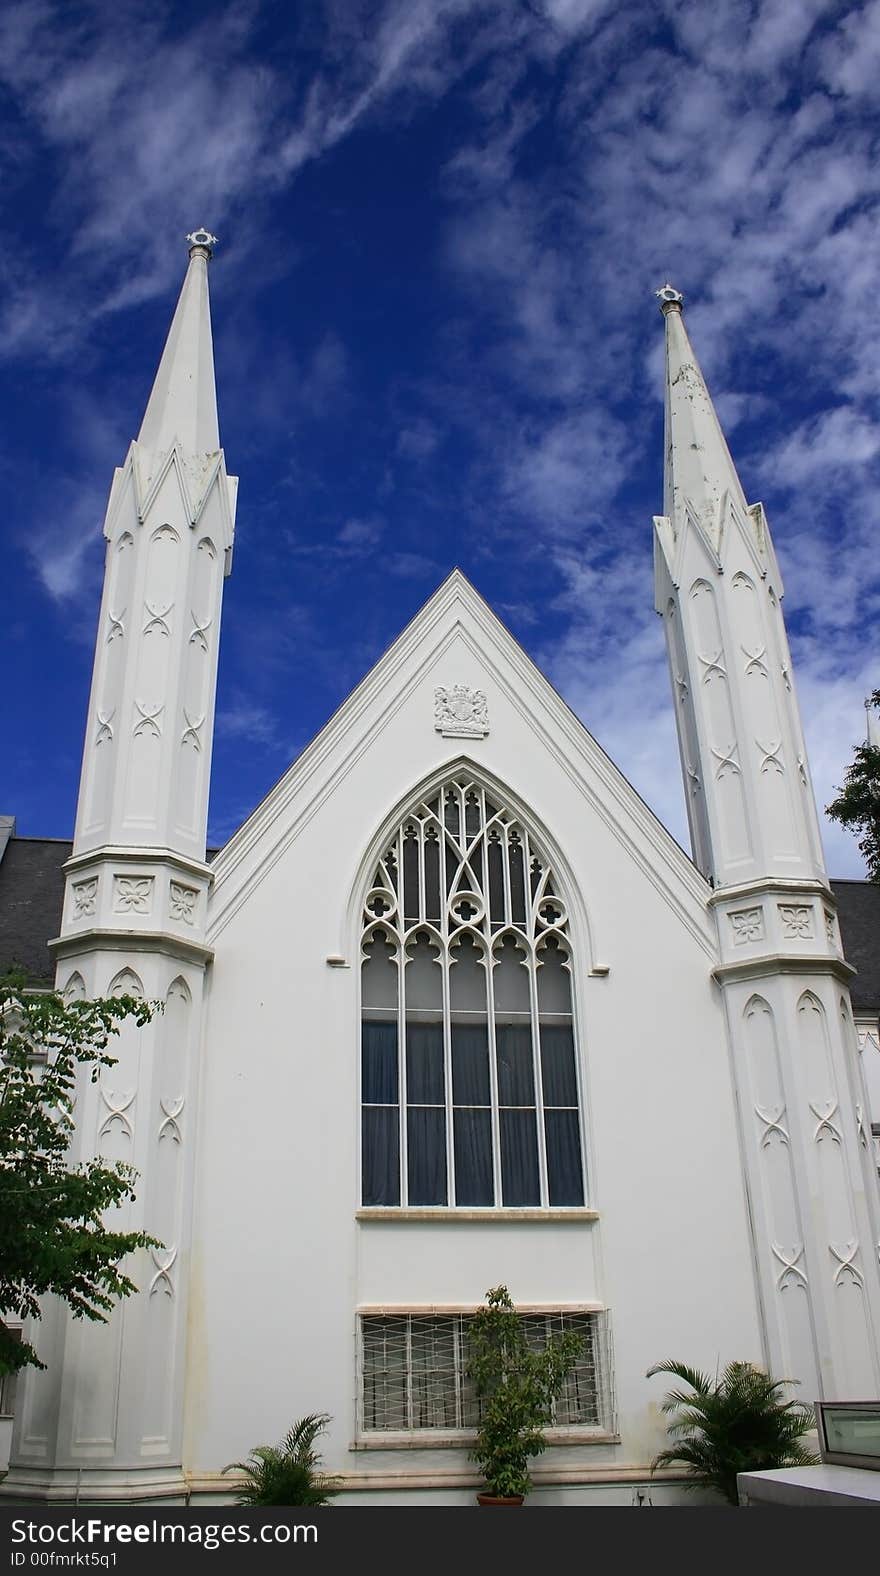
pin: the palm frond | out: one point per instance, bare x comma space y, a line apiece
691, 1376
299, 1442
287, 1474
738, 1423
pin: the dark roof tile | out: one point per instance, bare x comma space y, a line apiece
858, 910
31, 895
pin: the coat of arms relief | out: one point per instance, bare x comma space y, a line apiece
461, 712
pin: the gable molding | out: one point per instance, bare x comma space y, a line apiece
579, 756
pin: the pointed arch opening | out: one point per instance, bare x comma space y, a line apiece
75, 987
126, 983
470, 1080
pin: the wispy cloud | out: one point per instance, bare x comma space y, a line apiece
240, 718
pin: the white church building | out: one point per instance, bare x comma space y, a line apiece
451, 1009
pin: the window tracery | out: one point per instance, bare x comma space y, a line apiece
469, 1075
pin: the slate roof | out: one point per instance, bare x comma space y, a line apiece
31, 895
858, 913
32, 891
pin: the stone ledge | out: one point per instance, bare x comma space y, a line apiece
160, 941
784, 963
504, 1217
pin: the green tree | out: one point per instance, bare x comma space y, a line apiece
517, 1386
53, 1235
858, 802
289, 1473
738, 1423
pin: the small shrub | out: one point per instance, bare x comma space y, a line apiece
289, 1473
738, 1423
517, 1387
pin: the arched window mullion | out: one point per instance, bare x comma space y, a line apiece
493, 1079
447, 1071
579, 1076
527, 888
505, 871
421, 873
539, 1081
401, 1051
461, 833
537, 900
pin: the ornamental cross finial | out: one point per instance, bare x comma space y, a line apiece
202, 240
670, 299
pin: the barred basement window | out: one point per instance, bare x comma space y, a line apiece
413, 1371
467, 967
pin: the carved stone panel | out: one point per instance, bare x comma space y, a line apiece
461, 712
796, 920
182, 902
132, 894
85, 898
747, 925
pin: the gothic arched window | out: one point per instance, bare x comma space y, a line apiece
469, 1079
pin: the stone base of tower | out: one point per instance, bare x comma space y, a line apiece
807, 1160
94, 1485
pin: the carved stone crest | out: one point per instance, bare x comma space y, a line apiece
461, 712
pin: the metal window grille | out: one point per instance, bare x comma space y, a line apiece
413, 1371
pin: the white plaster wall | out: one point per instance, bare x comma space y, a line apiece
280, 1262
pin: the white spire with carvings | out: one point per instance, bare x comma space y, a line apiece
105, 1419
809, 1173
719, 590
169, 527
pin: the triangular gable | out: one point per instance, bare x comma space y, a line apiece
455, 612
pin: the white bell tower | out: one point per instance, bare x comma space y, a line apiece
104, 1420
813, 1197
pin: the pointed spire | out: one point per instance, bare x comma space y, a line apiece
873, 733
183, 404
698, 468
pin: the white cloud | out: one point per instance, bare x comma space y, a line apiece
241, 718
842, 439
361, 535
418, 440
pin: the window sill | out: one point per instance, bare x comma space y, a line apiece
428, 1439
482, 1216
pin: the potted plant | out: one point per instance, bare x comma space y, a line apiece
516, 1386
289, 1473
738, 1423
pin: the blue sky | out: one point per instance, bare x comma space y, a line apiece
441, 225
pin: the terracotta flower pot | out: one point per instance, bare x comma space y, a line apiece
499, 1499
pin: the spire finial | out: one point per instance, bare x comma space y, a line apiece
670, 299
202, 241
182, 407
